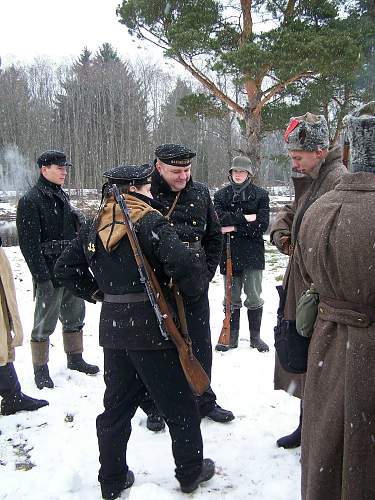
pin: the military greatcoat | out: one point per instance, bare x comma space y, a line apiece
335, 251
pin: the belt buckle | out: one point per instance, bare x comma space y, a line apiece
186, 243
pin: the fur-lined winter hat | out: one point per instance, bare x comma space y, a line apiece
360, 132
307, 133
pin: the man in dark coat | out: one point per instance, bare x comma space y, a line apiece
189, 208
243, 211
307, 141
46, 223
335, 251
136, 355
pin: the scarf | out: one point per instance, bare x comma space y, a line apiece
111, 220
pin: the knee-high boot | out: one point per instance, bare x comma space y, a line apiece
73, 346
40, 357
255, 320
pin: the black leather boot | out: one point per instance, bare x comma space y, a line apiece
42, 378
207, 472
20, 402
110, 491
292, 440
255, 320
76, 362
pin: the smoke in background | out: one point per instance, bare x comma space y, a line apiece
16, 172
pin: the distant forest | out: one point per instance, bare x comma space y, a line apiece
104, 111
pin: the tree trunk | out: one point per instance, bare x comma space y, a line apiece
253, 137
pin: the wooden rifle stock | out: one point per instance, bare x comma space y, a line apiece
194, 373
225, 330
345, 154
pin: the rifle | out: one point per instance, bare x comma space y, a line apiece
194, 373
345, 153
223, 342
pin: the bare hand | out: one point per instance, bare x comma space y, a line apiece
228, 229
251, 217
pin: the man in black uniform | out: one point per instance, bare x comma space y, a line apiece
188, 207
136, 356
243, 210
46, 223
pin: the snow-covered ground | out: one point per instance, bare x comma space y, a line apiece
51, 454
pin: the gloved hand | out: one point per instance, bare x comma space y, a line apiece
98, 296
282, 241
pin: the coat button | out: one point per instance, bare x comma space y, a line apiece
194, 223
321, 309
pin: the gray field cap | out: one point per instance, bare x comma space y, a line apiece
360, 131
307, 133
242, 163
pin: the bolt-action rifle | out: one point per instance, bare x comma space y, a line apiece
345, 153
223, 342
194, 373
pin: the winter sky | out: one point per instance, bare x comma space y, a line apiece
60, 29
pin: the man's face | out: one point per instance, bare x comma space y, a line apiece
239, 176
305, 161
55, 174
175, 177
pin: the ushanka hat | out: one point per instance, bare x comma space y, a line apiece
360, 132
174, 154
136, 175
307, 133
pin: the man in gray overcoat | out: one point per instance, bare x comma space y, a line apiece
335, 251
307, 141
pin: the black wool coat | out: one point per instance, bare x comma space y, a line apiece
193, 218
247, 245
132, 325
44, 213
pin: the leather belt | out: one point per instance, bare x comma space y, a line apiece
342, 311
192, 244
125, 298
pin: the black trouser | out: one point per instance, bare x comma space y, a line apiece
198, 322
9, 384
127, 374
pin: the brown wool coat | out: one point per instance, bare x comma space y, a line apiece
336, 251
307, 190
11, 334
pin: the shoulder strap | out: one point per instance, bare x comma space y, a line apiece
169, 213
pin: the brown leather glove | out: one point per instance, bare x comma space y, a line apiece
282, 241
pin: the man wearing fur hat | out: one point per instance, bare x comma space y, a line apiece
335, 251
307, 141
243, 211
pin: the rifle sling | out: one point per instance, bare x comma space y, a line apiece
169, 213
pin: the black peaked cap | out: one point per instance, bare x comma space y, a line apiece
133, 174
174, 154
52, 157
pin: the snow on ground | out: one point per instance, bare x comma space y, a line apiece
52, 454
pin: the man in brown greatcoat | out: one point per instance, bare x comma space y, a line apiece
307, 140
335, 251
11, 336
